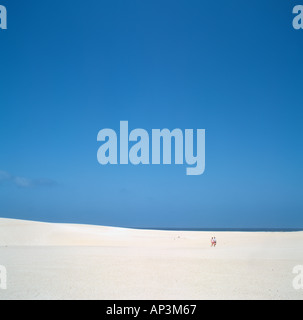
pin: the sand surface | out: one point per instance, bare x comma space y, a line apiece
68, 261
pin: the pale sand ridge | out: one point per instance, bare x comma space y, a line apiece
70, 261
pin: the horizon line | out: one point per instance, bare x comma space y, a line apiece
208, 229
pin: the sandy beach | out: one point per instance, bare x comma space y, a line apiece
69, 261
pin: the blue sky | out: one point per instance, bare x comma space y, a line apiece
70, 69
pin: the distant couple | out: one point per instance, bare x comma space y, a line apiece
213, 241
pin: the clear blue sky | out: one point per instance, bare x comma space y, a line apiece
71, 68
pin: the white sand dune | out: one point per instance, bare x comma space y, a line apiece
69, 261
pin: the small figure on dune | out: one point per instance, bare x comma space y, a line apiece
213, 241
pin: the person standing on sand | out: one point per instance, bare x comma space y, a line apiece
215, 241
212, 242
